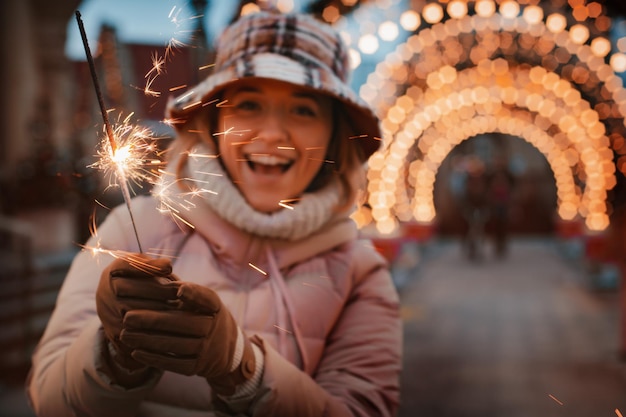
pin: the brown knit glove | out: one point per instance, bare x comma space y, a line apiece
134, 283
198, 339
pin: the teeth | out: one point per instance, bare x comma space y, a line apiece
265, 159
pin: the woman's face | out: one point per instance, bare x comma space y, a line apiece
272, 138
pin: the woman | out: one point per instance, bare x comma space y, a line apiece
270, 305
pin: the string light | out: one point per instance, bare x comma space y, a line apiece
388, 31
368, 44
410, 20
432, 13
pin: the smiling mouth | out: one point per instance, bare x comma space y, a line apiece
268, 164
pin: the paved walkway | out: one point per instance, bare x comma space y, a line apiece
525, 336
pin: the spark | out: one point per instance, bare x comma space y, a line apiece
173, 200
555, 399
617, 412
282, 329
132, 258
156, 70
358, 137
168, 205
130, 159
171, 14
101, 205
327, 161
171, 122
257, 268
245, 142
184, 96
210, 173
210, 102
201, 155
175, 17
178, 87
206, 67
158, 62
171, 47
194, 104
147, 90
157, 65
288, 148
231, 131
285, 203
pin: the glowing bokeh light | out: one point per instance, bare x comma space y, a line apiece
618, 62
579, 34
388, 31
410, 20
457, 9
556, 23
509, 9
368, 44
432, 13
533, 14
485, 8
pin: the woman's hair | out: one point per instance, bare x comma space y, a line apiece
344, 159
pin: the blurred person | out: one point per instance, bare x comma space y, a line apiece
500, 189
261, 298
475, 207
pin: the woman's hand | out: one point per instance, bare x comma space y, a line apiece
199, 338
133, 283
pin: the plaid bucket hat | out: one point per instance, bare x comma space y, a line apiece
297, 49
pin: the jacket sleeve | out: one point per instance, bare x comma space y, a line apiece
64, 379
359, 372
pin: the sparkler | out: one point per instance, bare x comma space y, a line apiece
117, 158
132, 159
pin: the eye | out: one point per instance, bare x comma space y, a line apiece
304, 110
248, 105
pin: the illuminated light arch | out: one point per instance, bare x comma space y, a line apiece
378, 89
568, 195
382, 87
387, 174
514, 123
421, 172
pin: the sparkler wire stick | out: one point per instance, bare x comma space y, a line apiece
107, 124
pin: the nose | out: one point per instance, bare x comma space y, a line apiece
273, 128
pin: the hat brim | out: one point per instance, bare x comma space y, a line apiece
363, 122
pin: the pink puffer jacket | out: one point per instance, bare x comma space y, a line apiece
325, 308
